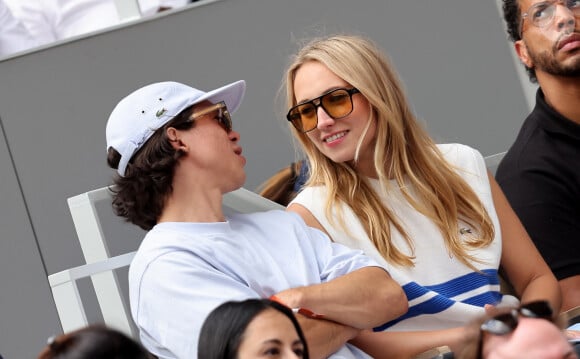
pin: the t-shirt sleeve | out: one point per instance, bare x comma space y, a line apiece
176, 292
334, 259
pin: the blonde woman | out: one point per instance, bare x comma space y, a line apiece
431, 214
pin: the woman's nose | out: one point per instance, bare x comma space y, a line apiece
324, 120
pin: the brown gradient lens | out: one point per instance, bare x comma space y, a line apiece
336, 103
304, 117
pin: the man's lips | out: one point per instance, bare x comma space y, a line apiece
570, 41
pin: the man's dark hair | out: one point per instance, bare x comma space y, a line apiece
511, 15
140, 195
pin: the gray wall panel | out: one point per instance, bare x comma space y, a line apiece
452, 55
27, 313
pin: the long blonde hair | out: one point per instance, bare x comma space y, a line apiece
403, 151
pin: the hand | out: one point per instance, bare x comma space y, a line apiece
490, 309
289, 297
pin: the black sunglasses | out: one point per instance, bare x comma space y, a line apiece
223, 116
506, 323
336, 103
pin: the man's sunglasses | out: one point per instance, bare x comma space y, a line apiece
336, 103
506, 323
222, 117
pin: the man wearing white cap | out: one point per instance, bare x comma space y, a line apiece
176, 155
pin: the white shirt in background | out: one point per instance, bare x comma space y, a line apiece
13, 35
51, 20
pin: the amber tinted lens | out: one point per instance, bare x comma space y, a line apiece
337, 104
538, 309
303, 117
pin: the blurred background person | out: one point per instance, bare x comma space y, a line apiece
93, 342
285, 184
533, 331
13, 35
51, 20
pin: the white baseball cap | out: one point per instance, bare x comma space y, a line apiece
137, 116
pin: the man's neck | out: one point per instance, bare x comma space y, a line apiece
192, 202
562, 94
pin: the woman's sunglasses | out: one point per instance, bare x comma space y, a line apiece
336, 103
506, 323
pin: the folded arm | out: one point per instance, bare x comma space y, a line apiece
364, 298
325, 337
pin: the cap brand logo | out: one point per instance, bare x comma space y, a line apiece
161, 112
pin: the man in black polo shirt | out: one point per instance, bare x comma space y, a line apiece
540, 174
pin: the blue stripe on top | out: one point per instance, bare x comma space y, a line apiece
441, 301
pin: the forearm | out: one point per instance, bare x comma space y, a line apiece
543, 287
325, 337
404, 345
526, 269
365, 298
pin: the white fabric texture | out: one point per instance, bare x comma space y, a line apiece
442, 292
51, 20
182, 271
13, 35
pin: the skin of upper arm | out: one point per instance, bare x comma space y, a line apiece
307, 216
520, 259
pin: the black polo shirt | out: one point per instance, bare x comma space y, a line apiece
540, 175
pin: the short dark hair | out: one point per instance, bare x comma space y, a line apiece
94, 342
140, 195
511, 15
223, 329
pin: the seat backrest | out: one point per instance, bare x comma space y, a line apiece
491, 162
100, 265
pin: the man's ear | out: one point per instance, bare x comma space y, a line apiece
522, 51
174, 137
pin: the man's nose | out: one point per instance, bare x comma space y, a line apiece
234, 136
565, 18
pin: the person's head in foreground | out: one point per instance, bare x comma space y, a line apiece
531, 331
93, 342
168, 137
254, 328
